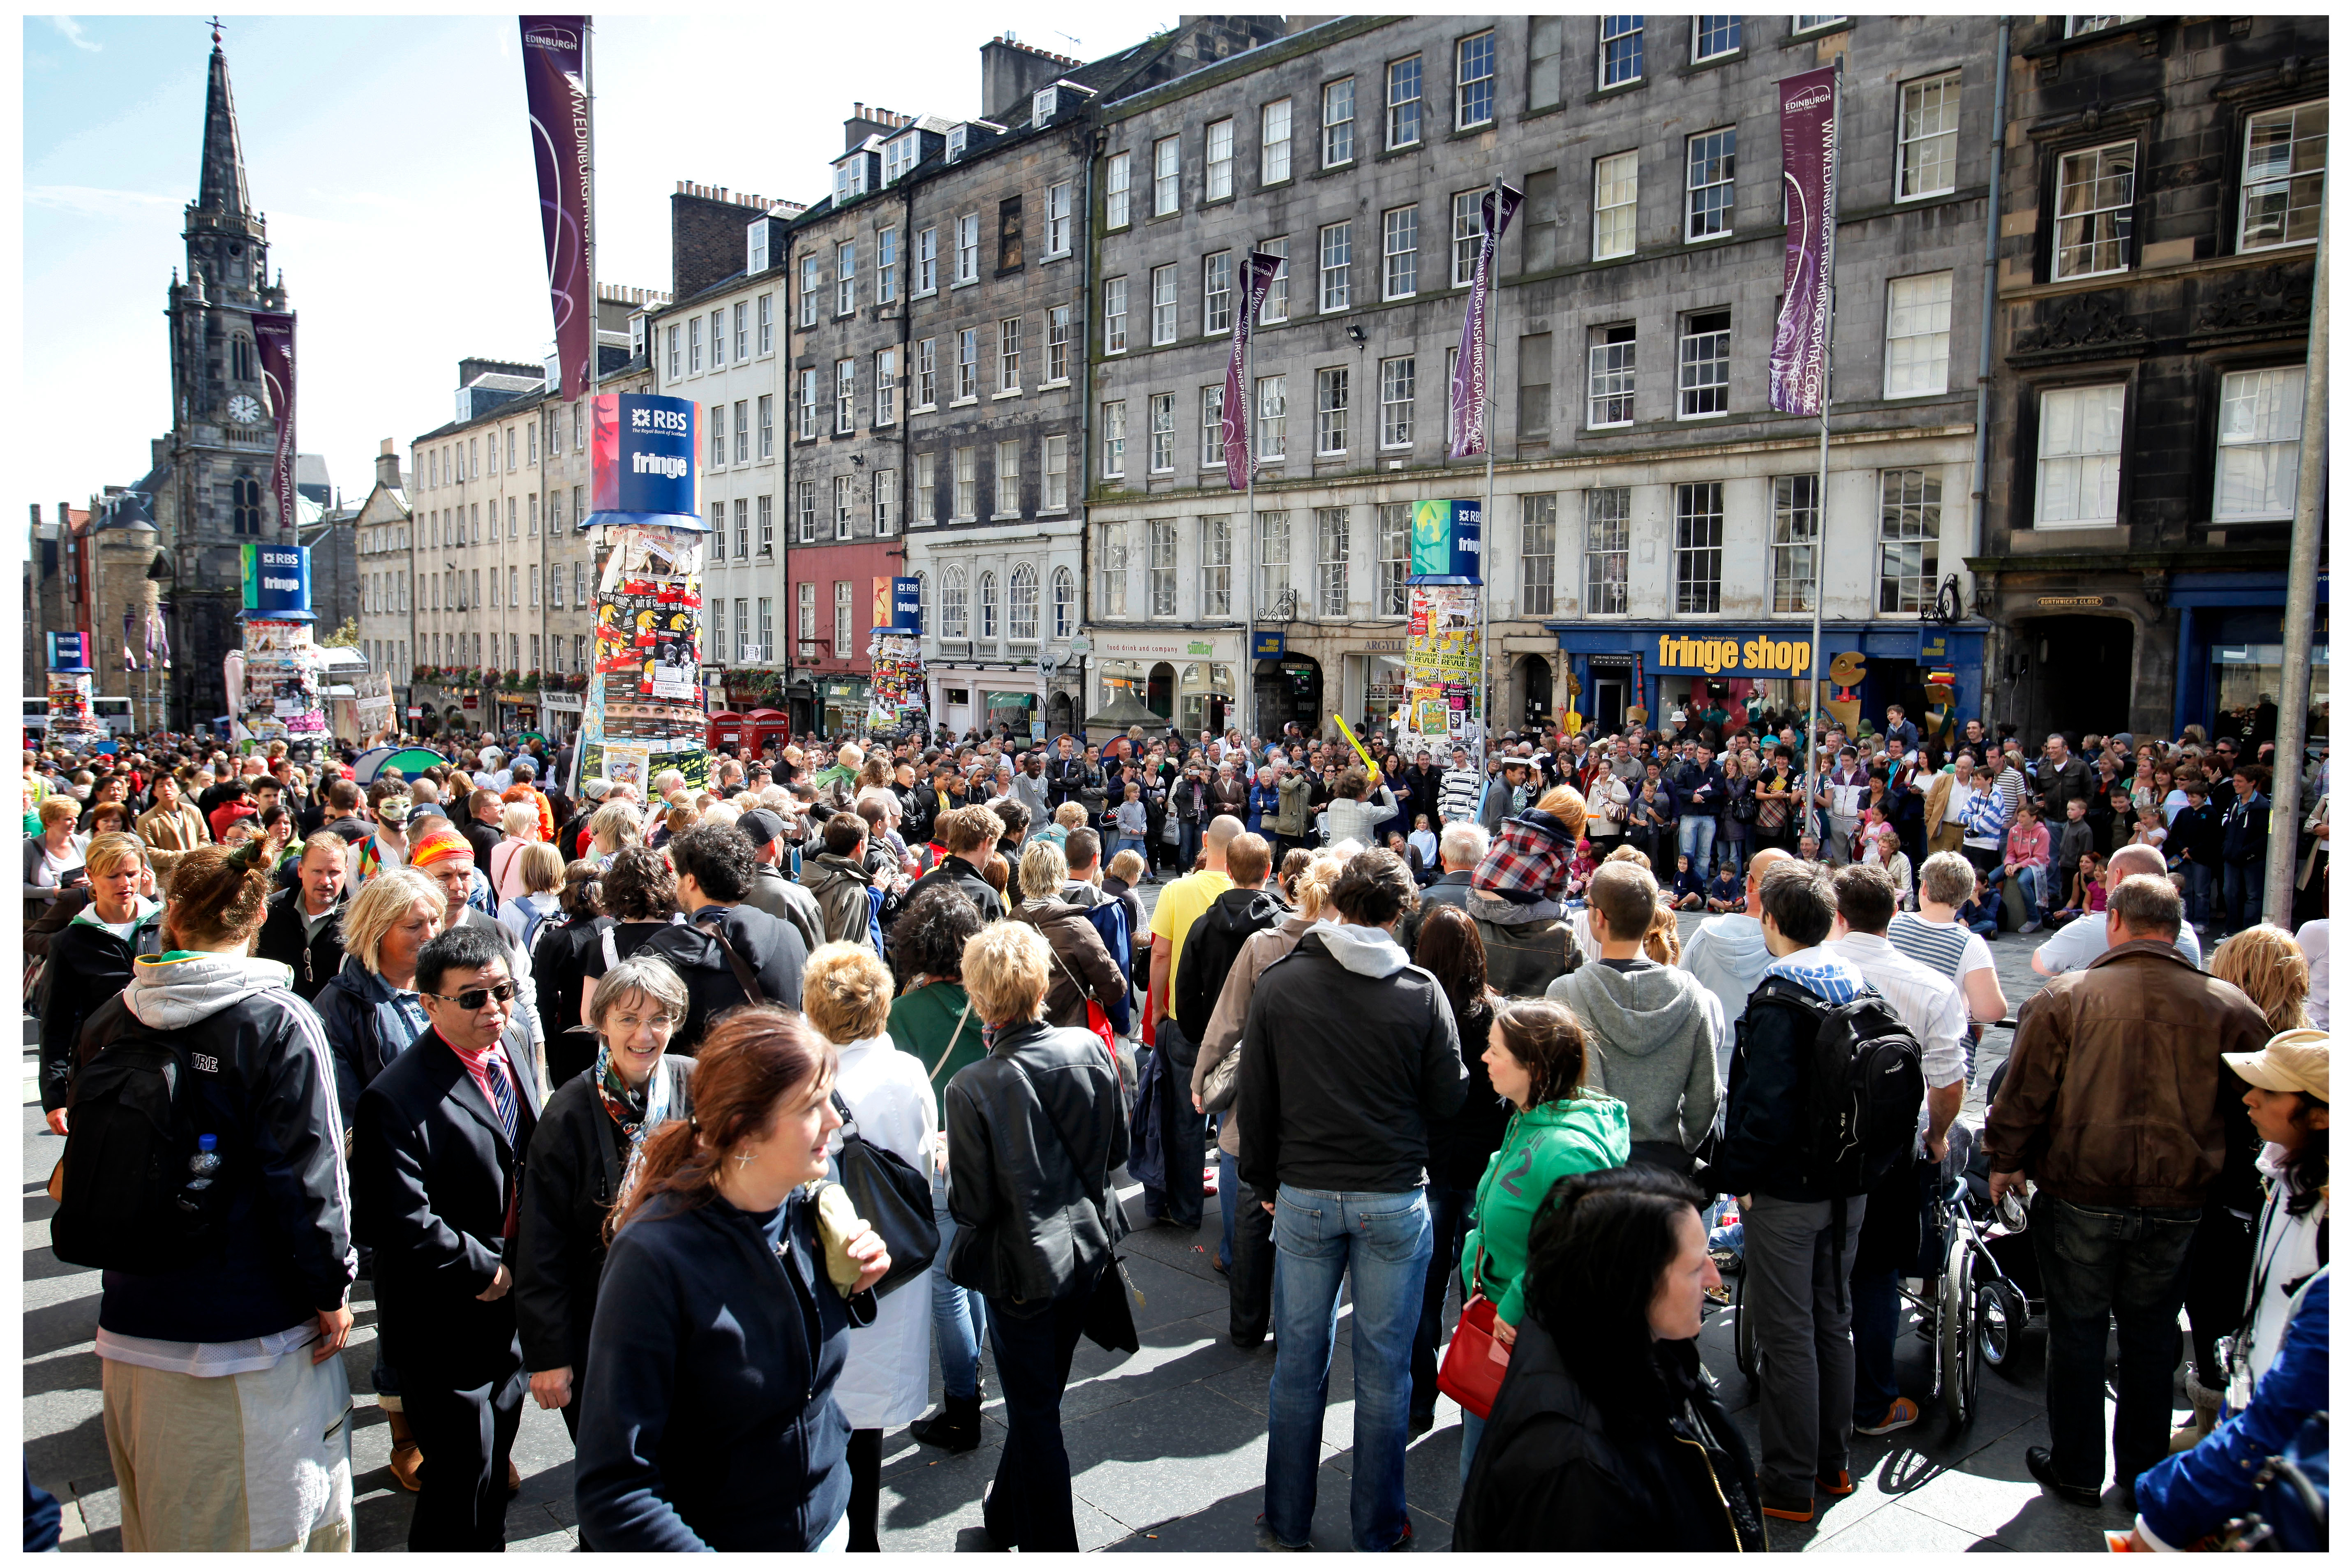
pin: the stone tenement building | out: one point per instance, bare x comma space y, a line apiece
1643, 486
2159, 204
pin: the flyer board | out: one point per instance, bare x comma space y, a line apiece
1443, 661
645, 709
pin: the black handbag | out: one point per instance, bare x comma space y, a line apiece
893, 1197
1109, 1318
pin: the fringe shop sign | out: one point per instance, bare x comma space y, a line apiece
1772, 658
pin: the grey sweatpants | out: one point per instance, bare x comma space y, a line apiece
1794, 1285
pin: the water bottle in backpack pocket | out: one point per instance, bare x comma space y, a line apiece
143, 1191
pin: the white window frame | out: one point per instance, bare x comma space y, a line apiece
2252, 185
1163, 304
844, 396
1273, 431
927, 376
1332, 411
1910, 537
1400, 252
1690, 333
1702, 154
967, 250
1331, 562
1161, 418
1611, 366
1008, 356
2064, 456
1066, 603
1469, 235
1796, 534
927, 262
885, 386
1057, 220
967, 367
811, 280
1216, 567
767, 323
1008, 478
1166, 175
1114, 447
1700, 53
1918, 335
1403, 97
1273, 142
1217, 160
2118, 215
844, 497
1020, 604
1276, 304
1340, 122
1614, 30
1057, 345
2261, 427
1114, 315
1698, 548
1055, 476
886, 265
1616, 198
1464, 116
1539, 552
955, 609
1396, 404
1159, 567
1118, 191
1333, 291
1921, 148
1216, 293
1212, 427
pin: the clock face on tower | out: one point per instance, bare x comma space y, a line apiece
245, 409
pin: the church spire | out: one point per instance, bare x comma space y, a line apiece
221, 187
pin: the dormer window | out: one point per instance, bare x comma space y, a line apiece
901, 155
755, 242
959, 138
849, 178
1042, 105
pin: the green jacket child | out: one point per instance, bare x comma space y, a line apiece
1543, 1143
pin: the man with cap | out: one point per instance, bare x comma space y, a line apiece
438, 852
771, 890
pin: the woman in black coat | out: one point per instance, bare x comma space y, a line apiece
1605, 1436
592, 1126
89, 959
708, 1420
559, 960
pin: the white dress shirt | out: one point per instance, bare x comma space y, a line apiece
1930, 1006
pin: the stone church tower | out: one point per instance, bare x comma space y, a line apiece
212, 491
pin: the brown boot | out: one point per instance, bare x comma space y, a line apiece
405, 1456
514, 1478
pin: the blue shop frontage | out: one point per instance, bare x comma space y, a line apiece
1750, 669
2227, 675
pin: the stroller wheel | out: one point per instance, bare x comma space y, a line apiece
1955, 1349
1743, 1329
2000, 1320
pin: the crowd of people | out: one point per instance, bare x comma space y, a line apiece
582, 1080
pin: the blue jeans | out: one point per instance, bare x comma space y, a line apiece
1697, 841
1379, 1243
2199, 894
2130, 1263
1472, 1428
1126, 841
1188, 844
2242, 895
958, 1317
1734, 852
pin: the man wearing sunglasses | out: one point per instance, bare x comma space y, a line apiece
436, 1159
442, 854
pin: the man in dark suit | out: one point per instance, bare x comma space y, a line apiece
437, 1163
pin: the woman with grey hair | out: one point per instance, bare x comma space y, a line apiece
579, 1162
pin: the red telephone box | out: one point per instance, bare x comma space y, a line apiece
727, 729
765, 727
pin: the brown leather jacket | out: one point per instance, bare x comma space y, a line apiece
1082, 967
2114, 1093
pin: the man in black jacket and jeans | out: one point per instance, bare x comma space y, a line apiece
437, 1154
1349, 1054
715, 872
305, 928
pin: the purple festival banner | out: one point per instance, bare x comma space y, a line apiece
273, 336
1257, 276
1466, 408
1799, 377
555, 79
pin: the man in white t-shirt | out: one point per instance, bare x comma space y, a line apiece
2080, 942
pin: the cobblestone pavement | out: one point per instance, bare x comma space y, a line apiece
1168, 1444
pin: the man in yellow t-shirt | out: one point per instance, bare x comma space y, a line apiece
1183, 901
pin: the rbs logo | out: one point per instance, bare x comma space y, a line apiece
673, 420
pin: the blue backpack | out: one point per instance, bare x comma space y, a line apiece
1109, 920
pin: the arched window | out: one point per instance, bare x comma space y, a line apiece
987, 605
1021, 605
240, 357
953, 620
245, 505
1066, 602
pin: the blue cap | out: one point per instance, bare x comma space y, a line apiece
206, 1141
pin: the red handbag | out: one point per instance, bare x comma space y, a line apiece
1472, 1373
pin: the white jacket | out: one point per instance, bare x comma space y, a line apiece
886, 1381
2286, 1253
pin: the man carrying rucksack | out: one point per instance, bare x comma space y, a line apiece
729, 952
226, 1402
1802, 1206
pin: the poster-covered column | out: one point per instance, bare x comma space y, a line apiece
897, 696
72, 722
1444, 635
283, 694
645, 709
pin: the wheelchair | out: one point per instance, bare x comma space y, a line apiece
1951, 1298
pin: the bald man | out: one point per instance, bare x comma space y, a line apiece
2080, 942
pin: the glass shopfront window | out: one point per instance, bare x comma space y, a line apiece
2248, 677
1204, 697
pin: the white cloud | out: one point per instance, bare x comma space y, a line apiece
73, 34
95, 201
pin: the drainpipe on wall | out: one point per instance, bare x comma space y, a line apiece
1082, 346
1992, 291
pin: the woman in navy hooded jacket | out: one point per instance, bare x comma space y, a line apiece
708, 1420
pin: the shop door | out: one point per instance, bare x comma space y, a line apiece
1609, 703
2079, 676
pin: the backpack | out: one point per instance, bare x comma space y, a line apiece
1210, 949
1862, 1089
131, 1132
1109, 921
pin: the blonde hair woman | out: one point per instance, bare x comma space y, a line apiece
370, 1008
886, 1381
520, 822
91, 958
2264, 963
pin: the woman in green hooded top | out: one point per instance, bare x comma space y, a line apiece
1535, 1055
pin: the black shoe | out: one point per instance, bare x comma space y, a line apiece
1420, 1421
2043, 1469
955, 1428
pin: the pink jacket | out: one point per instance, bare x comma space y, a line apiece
2029, 845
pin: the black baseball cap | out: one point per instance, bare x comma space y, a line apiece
761, 826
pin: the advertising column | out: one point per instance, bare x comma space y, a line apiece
646, 711
896, 696
284, 691
1443, 702
71, 721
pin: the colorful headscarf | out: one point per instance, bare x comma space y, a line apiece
436, 844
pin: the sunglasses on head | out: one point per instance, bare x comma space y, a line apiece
475, 1000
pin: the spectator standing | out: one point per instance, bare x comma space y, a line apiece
2245, 846
1888, 1243
171, 824
1936, 937
593, 1126
2080, 942
1358, 809
1084, 970
1651, 1034
1796, 1258
1349, 1052
53, 856
1457, 792
438, 852
968, 836
730, 1441
1181, 905
93, 957
2112, 1103
224, 1396
1460, 848
1726, 954
1034, 1132
305, 928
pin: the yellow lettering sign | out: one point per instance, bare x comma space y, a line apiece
1760, 656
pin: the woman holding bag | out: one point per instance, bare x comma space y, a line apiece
1535, 1055
886, 1380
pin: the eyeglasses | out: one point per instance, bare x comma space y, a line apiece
475, 1000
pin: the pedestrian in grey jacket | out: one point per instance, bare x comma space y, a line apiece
1653, 1029
1032, 789
1359, 811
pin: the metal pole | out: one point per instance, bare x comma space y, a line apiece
1249, 668
2302, 596
1991, 303
1489, 528
1822, 474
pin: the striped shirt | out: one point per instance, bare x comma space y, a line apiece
1946, 947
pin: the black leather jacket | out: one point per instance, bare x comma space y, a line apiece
1034, 1130
314, 960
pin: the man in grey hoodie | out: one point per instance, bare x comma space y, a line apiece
1653, 1031
1726, 954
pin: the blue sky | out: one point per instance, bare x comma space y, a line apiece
392, 158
